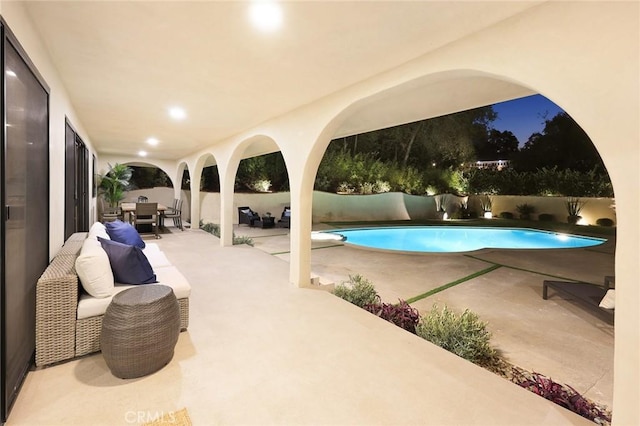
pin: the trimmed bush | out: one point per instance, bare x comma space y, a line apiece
546, 217
358, 290
604, 221
506, 215
401, 314
464, 335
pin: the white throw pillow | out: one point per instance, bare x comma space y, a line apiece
98, 230
609, 299
94, 270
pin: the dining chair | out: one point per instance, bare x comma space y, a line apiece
146, 214
175, 213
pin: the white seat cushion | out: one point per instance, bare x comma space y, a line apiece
94, 270
167, 275
157, 259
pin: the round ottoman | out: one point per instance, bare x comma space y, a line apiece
140, 330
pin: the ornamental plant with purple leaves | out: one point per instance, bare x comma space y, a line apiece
400, 314
563, 395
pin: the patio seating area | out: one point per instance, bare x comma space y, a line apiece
261, 351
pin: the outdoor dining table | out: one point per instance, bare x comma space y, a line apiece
128, 208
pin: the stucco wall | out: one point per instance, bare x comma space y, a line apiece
329, 207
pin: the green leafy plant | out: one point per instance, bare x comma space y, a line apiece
400, 314
465, 335
574, 207
358, 290
261, 185
525, 210
114, 183
214, 229
506, 215
485, 203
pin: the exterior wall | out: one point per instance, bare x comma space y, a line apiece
594, 208
60, 108
328, 207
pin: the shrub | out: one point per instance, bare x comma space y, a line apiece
401, 314
261, 185
366, 188
358, 290
506, 215
604, 221
564, 396
344, 187
525, 210
464, 335
546, 217
214, 229
381, 186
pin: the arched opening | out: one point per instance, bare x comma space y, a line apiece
261, 183
422, 99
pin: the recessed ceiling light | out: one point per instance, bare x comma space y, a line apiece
142, 153
266, 15
153, 141
177, 113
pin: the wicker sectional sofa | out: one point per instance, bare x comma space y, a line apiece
68, 320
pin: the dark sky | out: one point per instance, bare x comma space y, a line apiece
524, 116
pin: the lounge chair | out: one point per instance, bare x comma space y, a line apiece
587, 295
285, 219
248, 216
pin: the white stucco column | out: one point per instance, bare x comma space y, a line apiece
227, 172
300, 237
195, 176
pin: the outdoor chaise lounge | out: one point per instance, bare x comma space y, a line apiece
587, 295
285, 219
248, 216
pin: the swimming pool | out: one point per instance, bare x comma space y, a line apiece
450, 239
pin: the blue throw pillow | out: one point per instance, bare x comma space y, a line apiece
124, 233
128, 263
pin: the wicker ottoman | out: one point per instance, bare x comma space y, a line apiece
140, 330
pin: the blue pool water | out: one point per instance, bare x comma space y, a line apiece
450, 239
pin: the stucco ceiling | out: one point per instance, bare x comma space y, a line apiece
125, 63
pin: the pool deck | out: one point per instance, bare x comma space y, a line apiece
553, 337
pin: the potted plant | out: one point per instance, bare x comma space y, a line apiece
114, 183
574, 206
485, 205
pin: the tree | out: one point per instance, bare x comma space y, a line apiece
562, 144
496, 146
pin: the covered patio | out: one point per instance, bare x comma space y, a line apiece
112, 73
259, 351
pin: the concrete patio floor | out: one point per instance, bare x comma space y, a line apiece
261, 351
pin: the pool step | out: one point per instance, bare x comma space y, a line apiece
321, 283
